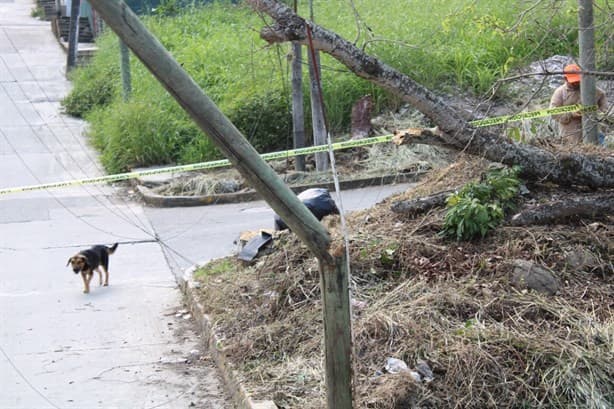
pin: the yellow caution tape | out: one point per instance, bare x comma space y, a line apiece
197, 166
284, 154
530, 115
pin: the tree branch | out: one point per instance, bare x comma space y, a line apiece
588, 207
536, 163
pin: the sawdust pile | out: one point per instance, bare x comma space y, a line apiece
421, 298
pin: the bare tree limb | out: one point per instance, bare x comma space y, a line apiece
589, 207
536, 163
422, 204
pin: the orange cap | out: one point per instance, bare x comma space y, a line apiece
572, 73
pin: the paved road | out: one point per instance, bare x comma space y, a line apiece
198, 234
122, 346
128, 345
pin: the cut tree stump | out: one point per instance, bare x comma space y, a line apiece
361, 118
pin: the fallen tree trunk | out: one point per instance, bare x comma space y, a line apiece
584, 208
536, 163
421, 205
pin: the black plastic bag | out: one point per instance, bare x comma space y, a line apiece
317, 200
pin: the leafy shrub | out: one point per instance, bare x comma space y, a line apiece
265, 120
37, 12
151, 129
198, 148
97, 83
168, 8
480, 207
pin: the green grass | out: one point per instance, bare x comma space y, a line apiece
440, 43
215, 267
37, 12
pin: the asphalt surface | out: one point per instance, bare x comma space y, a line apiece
128, 345
208, 232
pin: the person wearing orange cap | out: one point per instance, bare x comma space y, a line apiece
570, 124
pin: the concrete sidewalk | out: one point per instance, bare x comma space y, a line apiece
128, 345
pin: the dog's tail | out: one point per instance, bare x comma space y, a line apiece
111, 249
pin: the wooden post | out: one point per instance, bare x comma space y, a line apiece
298, 113
334, 284
73, 35
215, 124
586, 41
317, 114
318, 120
124, 63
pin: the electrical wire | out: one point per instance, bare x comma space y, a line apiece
118, 212
53, 196
23, 377
93, 160
344, 229
153, 235
33, 174
331, 152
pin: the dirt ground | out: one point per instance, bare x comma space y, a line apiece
434, 303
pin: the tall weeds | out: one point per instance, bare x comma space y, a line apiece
441, 44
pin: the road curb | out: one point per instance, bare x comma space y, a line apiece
238, 394
156, 200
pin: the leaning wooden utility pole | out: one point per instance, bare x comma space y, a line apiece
73, 35
337, 328
586, 42
215, 124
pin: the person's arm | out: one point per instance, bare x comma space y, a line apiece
602, 101
557, 101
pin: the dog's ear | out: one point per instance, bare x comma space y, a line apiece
69, 260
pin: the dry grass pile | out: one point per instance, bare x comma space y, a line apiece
203, 184
418, 297
355, 163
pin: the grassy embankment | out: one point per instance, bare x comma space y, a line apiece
441, 44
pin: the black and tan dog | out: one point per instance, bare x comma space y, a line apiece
90, 260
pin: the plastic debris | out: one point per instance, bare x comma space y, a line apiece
253, 246
416, 376
394, 365
317, 200
422, 372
